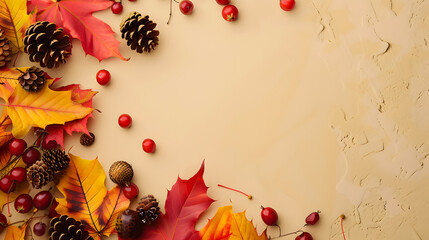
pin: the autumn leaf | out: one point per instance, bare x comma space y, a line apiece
16, 233
9, 80
45, 107
86, 198
186, 201
81, 96
5, 136
14, 21
226, 225
75, 16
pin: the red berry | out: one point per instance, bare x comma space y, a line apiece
17, 146
230, 13
287, 5
269, 216
31, 155
149, 145
186, 7
223, 2
304, 236
7, 185
116, 9
42, 200
313, 218
131, 191
23, 203
103, 76
3, 222
39, 229
125, 120
18, 174
49, 145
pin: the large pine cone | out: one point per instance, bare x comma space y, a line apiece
56, 159
4, 49
121, 173
148, 209
33, 79
67, 228
139, 32
46, 44
39, 174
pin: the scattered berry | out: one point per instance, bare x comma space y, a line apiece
49, 145
23, 203
312, 219
42, 200
125, 120
131, 191
39, 229
287, 5
117, 9
31, 156
149, 145
186, 7
7, 185
18, 174
223, 2
269, 216
304, 236
103, 76
17, 146
3, 222
230, 13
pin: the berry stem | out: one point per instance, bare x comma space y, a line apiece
287, 234
342, 228
232, 189
171, 11
8, 208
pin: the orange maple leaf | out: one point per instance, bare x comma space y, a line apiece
16, 233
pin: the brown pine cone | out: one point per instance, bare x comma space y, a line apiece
148, 209
65, 228
139, 32
121, 173
87, 140
4, 49
39, 174
33, 79
56, 159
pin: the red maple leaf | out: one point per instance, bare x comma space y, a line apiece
82, 96
186, 201
75, 17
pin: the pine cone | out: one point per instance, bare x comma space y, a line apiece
87, 140
46, 44
33, 79
148, 209
128, 224
56, 159
139, 32
4, 49
39, 174
121, 173
65, 227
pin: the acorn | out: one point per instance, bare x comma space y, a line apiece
128, 224
121, 173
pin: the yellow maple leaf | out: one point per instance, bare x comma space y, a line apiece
226, 225
86, 198
14, 21
42, 108
16, 233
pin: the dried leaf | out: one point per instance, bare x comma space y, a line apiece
16, 233
86, 198
5, 122
226, 225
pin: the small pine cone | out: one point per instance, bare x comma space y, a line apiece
65, 227
148, 209
39, 174
46, 44
139, 32
56, 159
87, 140
33, 79
4, 49
121, 173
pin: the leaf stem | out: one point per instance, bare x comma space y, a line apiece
232, 189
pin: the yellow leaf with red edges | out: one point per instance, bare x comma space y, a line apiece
5, 136
14, 21
226, 225
16, 233
86, 198
42, 108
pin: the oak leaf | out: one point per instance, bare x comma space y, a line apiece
86, 198
75, 16
45, 107
14, 21
186, 201
16, 233
226, 225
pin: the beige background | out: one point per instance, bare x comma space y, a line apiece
322, 108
